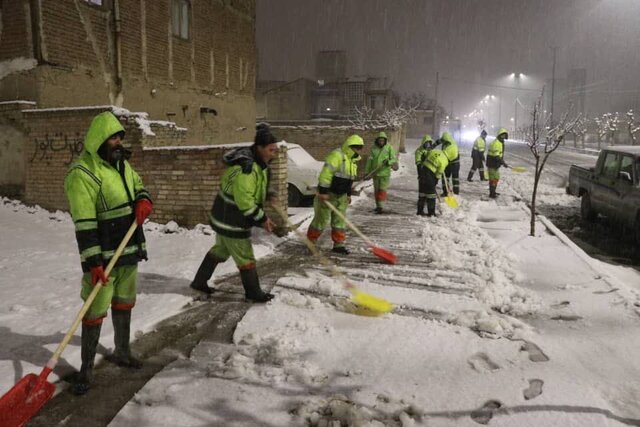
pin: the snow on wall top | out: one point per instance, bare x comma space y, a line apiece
207, 147
140, 118
16, 65
17, 102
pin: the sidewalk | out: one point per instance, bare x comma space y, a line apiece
486, 317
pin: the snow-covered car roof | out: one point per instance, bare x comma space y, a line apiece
625, 149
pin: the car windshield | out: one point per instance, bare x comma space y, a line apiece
299, 156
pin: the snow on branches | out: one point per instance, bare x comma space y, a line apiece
632, 126
365, 118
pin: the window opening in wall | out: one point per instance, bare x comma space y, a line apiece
180, 18
94, 2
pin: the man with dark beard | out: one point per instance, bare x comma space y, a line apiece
105, 196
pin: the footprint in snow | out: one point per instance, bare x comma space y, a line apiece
535, 353
534, 390
482, 363
485, 414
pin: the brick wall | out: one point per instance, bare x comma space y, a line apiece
182, 181
319, 141
168, 77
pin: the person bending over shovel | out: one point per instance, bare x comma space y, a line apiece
382, 159
105, 196
237, 208
334, 185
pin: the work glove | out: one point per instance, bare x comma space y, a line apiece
268, 225
142, 210
323, 197
97, 274
385, 163
395, 166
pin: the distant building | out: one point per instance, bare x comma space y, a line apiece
191, 62
286, 100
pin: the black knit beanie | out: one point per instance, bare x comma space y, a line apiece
264, 135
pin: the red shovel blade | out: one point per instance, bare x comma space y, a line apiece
24, 400
384, 255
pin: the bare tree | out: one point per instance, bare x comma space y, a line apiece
365, 118
607, 127
579, 131
362, 118
543, 139
632, 127
417, 99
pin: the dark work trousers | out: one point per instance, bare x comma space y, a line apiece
478, 164
452, 171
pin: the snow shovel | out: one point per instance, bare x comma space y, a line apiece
359, 298
518, 169
383, 254
359, 187
25, 399
450, 199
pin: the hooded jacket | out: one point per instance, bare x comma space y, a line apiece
436, 162
238, 206
102, 198
495, 156
378, 155
450, 147
340, 168
423, 150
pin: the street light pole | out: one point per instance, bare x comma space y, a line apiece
515, 118
435, 108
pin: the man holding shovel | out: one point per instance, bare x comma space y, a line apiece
477, 156
421, 156
433, 166
105, 196
334, 186
239, 206
450, 148
381, 160
495, 160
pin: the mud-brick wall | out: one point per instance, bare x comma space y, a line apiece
184, 181
319, 141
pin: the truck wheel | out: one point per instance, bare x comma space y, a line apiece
294, 196
586, 211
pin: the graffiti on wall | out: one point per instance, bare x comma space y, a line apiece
51, 145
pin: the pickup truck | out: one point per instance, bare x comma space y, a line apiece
611, 187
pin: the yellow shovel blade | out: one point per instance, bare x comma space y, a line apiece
370, 302
451, 201
519, 169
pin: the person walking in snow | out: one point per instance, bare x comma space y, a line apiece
334, 185
381, 160
239, 206
495, 160
105, 196
420, 157
434, 165
450, 148
477, 156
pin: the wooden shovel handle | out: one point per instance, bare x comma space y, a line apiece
85, 307
350, 224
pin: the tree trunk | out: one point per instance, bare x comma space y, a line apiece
533, 197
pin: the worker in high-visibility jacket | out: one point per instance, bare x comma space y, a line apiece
434, 167
237, 208
450, 147
334, 186
495, 160
421, 156
477, 156
381, 160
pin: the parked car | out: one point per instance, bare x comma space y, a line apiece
611, 187
302, 175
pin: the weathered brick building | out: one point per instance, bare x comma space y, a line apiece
187, 61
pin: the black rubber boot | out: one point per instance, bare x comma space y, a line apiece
205, 271
482, 178
121, 356
421, 202
470, 176
89, 345
251, 284
492, 191
431, 207
342, 250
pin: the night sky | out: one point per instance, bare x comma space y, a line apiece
472, 44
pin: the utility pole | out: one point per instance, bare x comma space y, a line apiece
435, 108
515, 118
553, 81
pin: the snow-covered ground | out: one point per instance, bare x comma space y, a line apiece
530, 328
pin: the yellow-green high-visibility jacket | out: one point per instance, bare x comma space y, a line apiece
480, 145
238, 206
378, 155
423, 149
495, 156
102, 198
340, 169
450, 147
436, 162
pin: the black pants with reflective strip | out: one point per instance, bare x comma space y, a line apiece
452, 171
